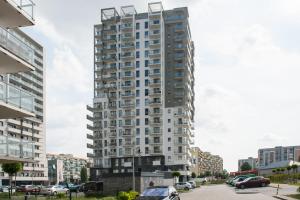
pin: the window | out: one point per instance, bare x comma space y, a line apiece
146, 63
137, 84
137, 35
137, 93
146, 25
137, 102
146, 54
146, 140
169, 148
146, 82
146, 92
137, 45
137, 122
156, 21
146, 34
146, 121
146, 73
146, 131
169, 111
137, 26
137, 130
137, 55
146, 111
169, 130
137, 141
137, 64
169, 139
169, 120
137, 112
137, 74
146, 44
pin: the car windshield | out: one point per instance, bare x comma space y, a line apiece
247, 179
156, 192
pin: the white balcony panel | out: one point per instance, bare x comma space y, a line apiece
16, 13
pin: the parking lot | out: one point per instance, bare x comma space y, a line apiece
224, 192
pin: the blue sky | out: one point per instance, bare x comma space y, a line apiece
247, 62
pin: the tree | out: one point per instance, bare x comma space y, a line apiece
295, 168
282, 169
274, 170
246, 166
193, 175
175, 175
288, 168
207, 173
11, 169
83, 175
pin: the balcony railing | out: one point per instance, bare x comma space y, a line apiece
25, 5
14, 148
16, 97
16, 46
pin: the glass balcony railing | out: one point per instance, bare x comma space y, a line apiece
16, 148
25, 5
16, 46
16, 97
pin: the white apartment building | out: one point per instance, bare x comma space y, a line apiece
22, 103
143, 105
65, 167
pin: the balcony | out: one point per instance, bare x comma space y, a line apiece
112, 154
128, 144
89, 136
93, 109
127, 27
155, 93
156, 83
127, 56
181, 132
109, 30
128, 124
127, 105
127, 76
109, 39
155, 54
90, 155
156, 152
155, 34
181, 143
154, 74
127, 46
15, 150
109, 77
109, 67
155, 103
155, 113
156, 122
128, 86
15, 103
128, 133
109, 58
127, 37
156, 132
16, 13
128, 115
128, 66
154, 44
154, 25
184, 124
15, 55
128, 95
110, 49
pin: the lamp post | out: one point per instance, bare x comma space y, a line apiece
133, 168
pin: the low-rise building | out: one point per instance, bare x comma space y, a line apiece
70, 169
251, 161
204, 162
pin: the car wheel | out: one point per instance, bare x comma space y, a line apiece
242, 187
263, 185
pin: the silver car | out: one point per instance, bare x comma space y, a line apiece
54, 190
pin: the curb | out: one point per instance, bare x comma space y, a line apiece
282, 197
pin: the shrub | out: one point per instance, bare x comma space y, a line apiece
298, 189
61, 195
133, 195
123, 196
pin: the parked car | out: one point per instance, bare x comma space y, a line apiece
159, 192
183, 186
71, 187
240, 179
29, 189
203, 180
53, 190
193, 183
257, 181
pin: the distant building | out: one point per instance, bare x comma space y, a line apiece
205, 162
277, 157
251, 161
70, 169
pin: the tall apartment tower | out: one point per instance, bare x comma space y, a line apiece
22, 104
143, 106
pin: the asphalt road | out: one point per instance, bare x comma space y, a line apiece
222, 192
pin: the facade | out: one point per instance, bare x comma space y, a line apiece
277, 157
206, 162
143, 105
22, 104
251, 161
70, 169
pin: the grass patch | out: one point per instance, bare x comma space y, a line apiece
295, 196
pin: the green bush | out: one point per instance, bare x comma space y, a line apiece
123, 196
284, 178
133, 195
298, 189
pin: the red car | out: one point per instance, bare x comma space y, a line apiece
257, 181
29, 189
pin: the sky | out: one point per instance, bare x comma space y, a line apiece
247, 67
